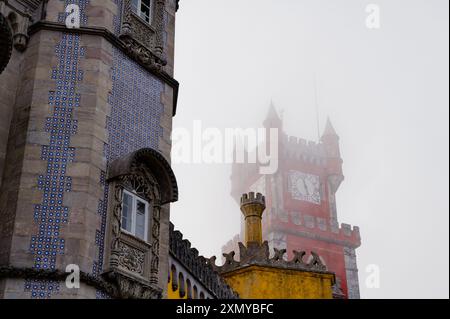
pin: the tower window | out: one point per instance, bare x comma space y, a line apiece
135, 215
143, 9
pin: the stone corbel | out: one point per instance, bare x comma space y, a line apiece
19, 18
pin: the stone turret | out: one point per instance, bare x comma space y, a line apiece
253, 208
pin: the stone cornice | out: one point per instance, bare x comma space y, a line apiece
56, 275
116, 285
149, 61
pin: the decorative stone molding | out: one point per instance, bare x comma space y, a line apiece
58, 275
131, 259
6, 42
132, 288
160, 170
198, 266
111, 38
141, 53
259, 255
134, 263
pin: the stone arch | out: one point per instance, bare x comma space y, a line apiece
154, 162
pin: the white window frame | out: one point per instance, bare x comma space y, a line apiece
137, 5
135, 199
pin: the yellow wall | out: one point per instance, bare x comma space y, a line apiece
257, 282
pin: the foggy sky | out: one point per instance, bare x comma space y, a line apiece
385, 90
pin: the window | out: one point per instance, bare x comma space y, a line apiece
135, 215
143, 9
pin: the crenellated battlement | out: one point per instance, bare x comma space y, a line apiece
304, 150
198, 265
312, 226
253, 199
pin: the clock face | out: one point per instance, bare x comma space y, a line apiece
304, 187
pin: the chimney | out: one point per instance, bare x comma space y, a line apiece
253, 207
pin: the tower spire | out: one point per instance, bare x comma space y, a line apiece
272, 120
329, 129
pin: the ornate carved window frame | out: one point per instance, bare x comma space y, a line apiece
143, 40
132, 263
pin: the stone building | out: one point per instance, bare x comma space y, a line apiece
85, 175
301, 200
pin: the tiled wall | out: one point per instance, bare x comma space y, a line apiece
51, 215
134, 122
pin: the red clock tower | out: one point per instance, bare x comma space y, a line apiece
300, 197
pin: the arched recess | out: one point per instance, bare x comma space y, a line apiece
195, 292
189, 289
182, 285
174, 277
156, 164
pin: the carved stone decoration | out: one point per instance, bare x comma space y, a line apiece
131, 259
5, 43
159, 25
145, 41
130, 288
134, 263
278, 256
256, 254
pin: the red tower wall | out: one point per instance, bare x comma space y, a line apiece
293, 224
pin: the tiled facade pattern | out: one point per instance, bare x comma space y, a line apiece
51, 215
